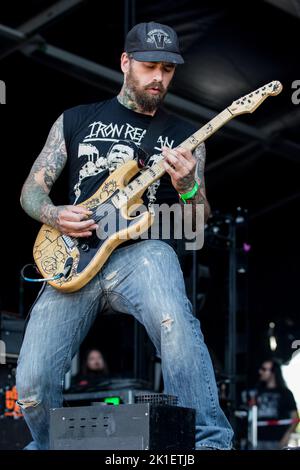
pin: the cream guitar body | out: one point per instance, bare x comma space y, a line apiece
80, 259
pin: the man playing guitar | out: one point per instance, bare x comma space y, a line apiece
142, 278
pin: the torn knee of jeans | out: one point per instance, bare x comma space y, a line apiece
28, 403
167, 323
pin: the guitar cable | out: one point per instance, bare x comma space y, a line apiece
29, 279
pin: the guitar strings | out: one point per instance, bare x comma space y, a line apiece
109, 212
113, 208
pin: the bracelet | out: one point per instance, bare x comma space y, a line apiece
184, 197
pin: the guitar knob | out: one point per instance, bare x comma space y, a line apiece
85, 247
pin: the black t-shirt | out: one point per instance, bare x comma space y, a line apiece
88, 382
276, 404
101, 136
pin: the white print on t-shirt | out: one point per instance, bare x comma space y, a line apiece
268, 405
122, 142
100, 131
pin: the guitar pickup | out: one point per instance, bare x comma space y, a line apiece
70, 244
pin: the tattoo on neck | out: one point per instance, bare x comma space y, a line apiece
126, 99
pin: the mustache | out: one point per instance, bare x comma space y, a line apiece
155, 85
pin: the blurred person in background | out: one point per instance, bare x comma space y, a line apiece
94, 370
274, 401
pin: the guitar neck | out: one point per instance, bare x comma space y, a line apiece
149, 176
206, 131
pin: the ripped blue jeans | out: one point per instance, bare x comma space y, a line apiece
145, 280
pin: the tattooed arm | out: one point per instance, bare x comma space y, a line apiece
200, 197
35, 198
184, 168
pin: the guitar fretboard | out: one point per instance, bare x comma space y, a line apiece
156, 171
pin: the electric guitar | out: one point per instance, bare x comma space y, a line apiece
69, 263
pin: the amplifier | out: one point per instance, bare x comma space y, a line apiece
142, 426
124, 396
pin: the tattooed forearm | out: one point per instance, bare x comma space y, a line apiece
200, 155
200, 197
44, 172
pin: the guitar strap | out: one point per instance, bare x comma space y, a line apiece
154, 130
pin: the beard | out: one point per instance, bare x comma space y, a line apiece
144, 100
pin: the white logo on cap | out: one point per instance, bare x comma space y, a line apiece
158, 37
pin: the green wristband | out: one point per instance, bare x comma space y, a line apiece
184, 197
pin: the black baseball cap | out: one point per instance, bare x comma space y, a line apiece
153, 42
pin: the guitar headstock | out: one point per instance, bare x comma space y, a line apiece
249, 103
